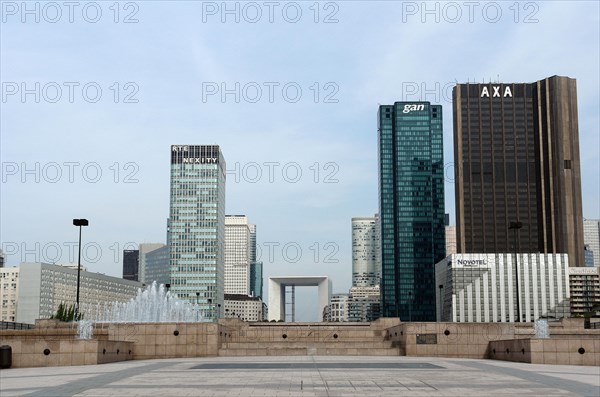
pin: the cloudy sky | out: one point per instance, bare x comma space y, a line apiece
94, 94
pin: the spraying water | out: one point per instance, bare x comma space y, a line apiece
85, 330
541, 328
154, 304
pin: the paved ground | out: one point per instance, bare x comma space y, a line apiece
304, 376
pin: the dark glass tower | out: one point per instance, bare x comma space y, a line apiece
411, 207
516, 148
131, 264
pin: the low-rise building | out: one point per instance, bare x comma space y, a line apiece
483, 287
585, 290
337, 310
9, 290
364, 304
244, 307
42, 287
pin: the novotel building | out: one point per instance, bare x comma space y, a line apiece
411, 207
486, 288
196, 232
516, 153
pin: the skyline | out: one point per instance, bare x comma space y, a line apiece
384, 63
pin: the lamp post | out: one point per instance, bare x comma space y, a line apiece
197, 306
80, 223
516, 226
441, 287
409, 306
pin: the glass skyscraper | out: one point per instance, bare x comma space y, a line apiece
196, 232
411, 207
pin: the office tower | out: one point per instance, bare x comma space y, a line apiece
588, 256
516, 149
366, 265
1, 258
196, 232
482, 288
131, 264
256, 279
450, 240
157, 266
238, 254
256, 267
411, 207
591, 237
144, 249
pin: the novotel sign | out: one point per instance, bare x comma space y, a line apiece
471, 262
485, 92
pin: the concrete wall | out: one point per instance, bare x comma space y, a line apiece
59, 347
167, 340
564, 351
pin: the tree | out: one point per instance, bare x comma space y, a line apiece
65, 313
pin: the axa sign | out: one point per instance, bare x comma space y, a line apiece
485, 92
414, 107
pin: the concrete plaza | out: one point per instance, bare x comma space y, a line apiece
304, 376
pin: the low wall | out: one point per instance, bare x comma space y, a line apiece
238, 338
467, 340
166, 340
566, 351
63, 350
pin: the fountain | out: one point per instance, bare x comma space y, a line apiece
154, 304
85, 330
541, 329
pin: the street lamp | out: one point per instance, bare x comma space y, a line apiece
197, 306
441, 287
516, 226
409, 306
80, 223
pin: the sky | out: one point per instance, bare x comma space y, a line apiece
94, 94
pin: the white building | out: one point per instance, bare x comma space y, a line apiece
585, 289
244, 307
338, 308
9, 290
482, 287
450, 240
239, 238
591, 237
366, 259
42, 287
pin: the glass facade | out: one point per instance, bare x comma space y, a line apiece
516, 147
411, 207
131, 264
196, 232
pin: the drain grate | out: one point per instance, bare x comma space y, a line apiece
280, 366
